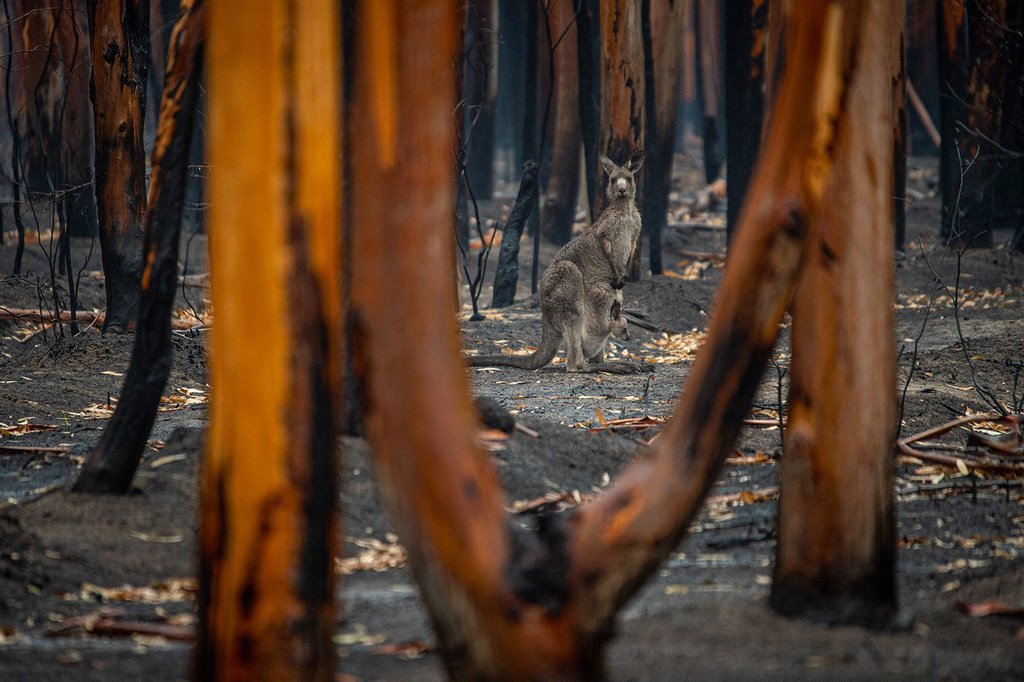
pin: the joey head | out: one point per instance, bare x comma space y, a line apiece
580, 292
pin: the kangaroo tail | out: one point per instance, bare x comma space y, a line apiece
550, 339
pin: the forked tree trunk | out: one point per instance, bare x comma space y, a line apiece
622, 97
111, 465
558, 210
709, 83
267, 532
120, 43
509, 603
971, 78
836, 528
663, 44
745, 41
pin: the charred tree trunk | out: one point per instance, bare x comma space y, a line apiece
120, 43
588, 43
663, 31
509, 603
622, 95
268, 528
1010, 197
900, 141
52, 67
559, 206
111, 465
481, 95
837, 535
511, 82
709, 80
971, 78
745, 42
922, 70
506, 273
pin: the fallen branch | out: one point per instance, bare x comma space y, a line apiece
704, 255
28, 449
922, 112
950, 461
106, 622
27, 315
949, 426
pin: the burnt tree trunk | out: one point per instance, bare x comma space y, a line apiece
663, 45
709, 80
267, 522
558, 209
588, 42
745, 42
836, 529
111, 465
971, 77
506, 272
1010, 198
900, 141
481, 95
120, 43
622, 96
52, 67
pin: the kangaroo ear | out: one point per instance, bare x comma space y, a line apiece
608, 165
635, 161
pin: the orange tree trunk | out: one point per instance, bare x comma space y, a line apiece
112, 463
622, 95
745, 41
120, 41
663, 45
558, 210
506, 602
836, 529
971, 75
267, 509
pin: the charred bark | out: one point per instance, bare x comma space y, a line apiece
709, 82
663, 29
623, 127
745, 42
558, 210
481, 95
267, 511
971, 76
120, 59
588, 42
111, 465
506, 273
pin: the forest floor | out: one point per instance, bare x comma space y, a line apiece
75, 569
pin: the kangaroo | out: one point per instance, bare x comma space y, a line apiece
580, 292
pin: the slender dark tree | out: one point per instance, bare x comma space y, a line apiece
112, 463
971, 77
663, 29
588, 42
481, 57
709, 84
745, 42
120, 43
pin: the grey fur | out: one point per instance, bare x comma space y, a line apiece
580, 292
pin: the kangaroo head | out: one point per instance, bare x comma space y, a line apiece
619, 329
621, 184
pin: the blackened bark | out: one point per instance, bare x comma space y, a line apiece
506, 273
1010, 197
112, 463
15, 131
120, 41
588, 37
708, 85
971, 77
481, 70
744, 98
